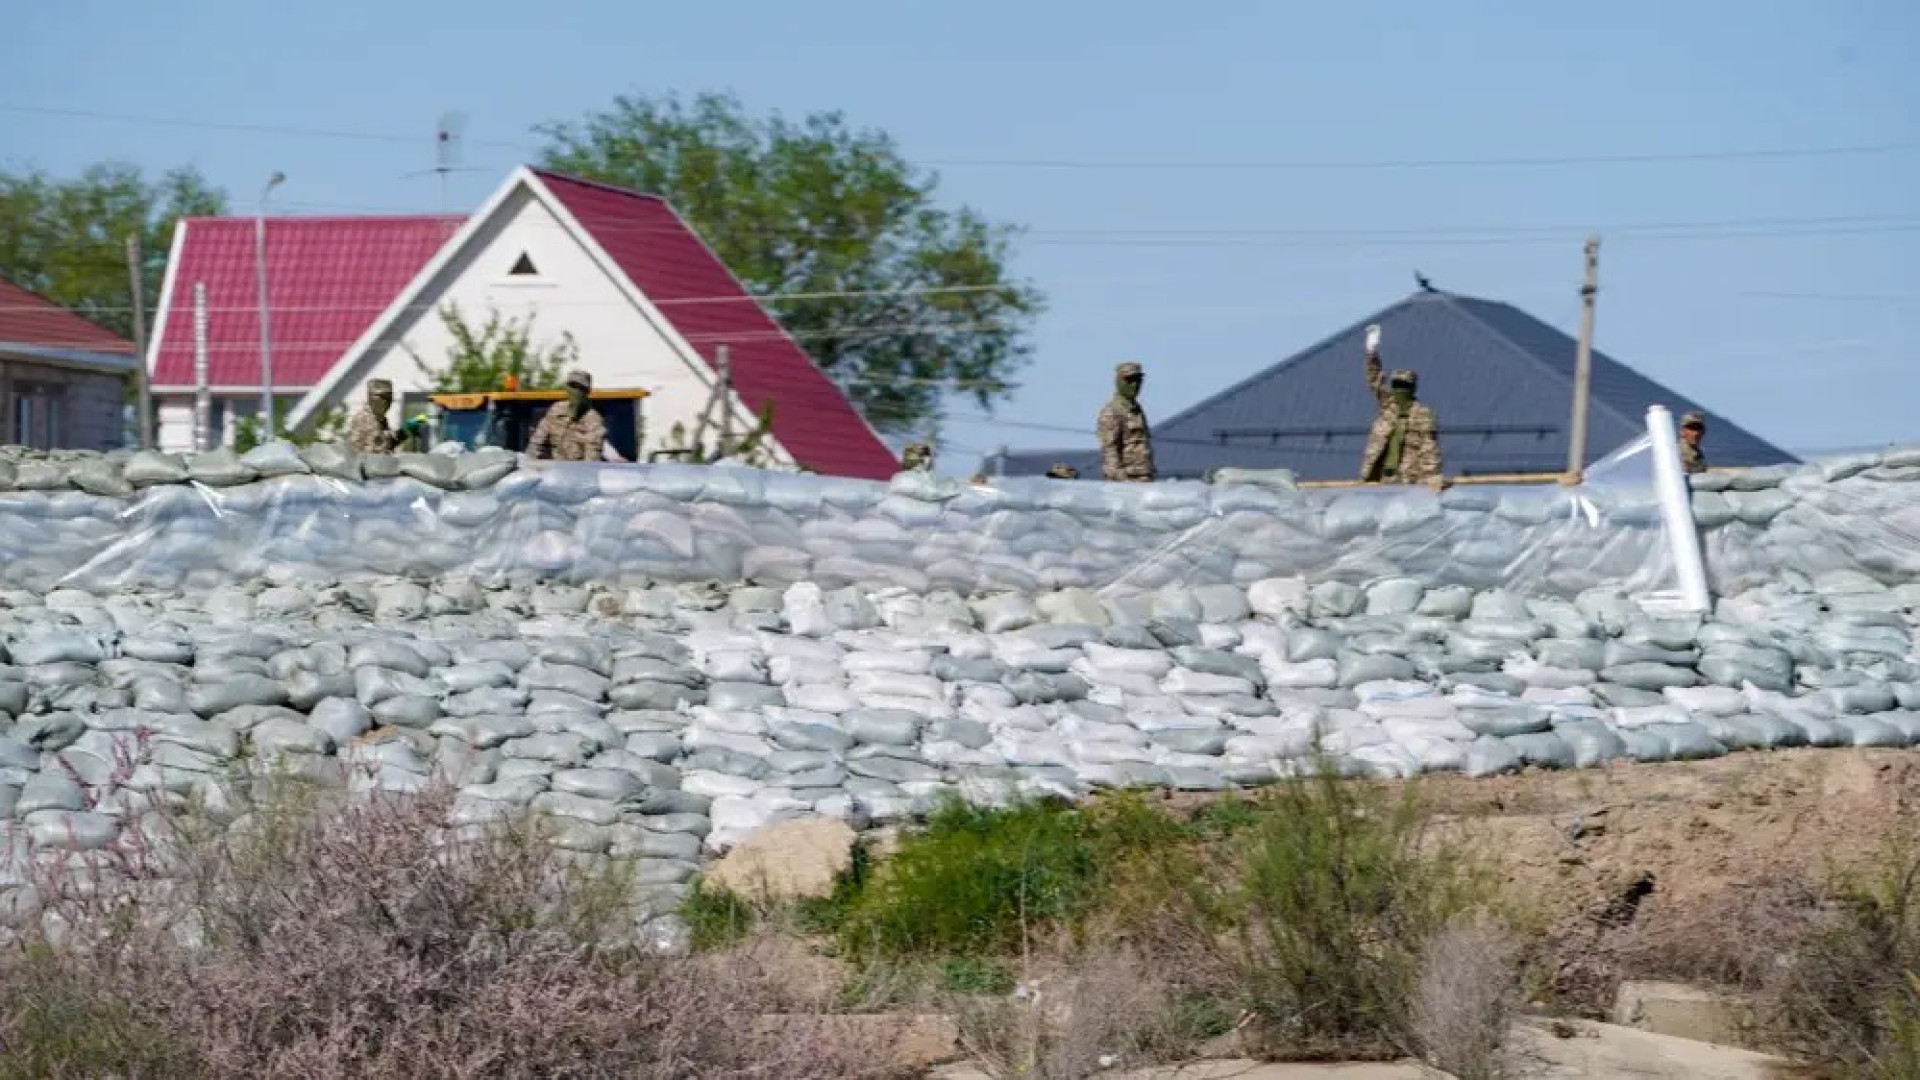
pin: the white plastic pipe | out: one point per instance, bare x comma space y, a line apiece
1676, 507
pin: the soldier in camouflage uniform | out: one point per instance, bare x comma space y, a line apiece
368, 432
1126, 443
917, 457
1063, 472
1403, 447
1693, 429
572, 430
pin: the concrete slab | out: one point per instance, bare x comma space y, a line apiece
1681, 1010
1594, 1049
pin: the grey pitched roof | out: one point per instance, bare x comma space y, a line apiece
1499, 380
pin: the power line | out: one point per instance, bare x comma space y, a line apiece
1464, 237
1908, 298
1465, 233
1534, 161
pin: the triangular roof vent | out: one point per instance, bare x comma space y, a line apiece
523, 267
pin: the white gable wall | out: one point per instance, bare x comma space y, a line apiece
571, 293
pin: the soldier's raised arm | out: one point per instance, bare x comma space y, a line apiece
1376, 382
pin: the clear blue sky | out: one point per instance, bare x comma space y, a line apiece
1806, 338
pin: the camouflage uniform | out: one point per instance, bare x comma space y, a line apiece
1063, 472
368, 432
1126, 443
1692, 458
918, 457
562, 436
1415, 427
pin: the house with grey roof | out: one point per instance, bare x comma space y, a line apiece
1499, 380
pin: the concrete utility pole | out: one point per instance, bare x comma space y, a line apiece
266, 337
202, 393
141, 380
1583, 363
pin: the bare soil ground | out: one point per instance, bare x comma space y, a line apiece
1684, 869
1621, 864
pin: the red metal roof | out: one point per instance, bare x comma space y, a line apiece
673, 267
328, 279
27, 318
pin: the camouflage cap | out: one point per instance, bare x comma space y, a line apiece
1063, 472
1694, 420
581, 378
1403, 377
380, 386
1129, 370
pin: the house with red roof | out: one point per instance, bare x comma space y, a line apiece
63, 380
646, 302
328, 279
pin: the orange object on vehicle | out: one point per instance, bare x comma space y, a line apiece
511, 382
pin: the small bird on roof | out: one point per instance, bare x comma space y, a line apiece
1421, 279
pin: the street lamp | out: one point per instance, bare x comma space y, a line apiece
266, 336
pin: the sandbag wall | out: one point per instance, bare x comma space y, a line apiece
665, 659
320, 514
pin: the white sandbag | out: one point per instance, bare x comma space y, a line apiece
1534, 673
1638, 716
1687, 742
1105, 658
1542, 749
788, 670
1556, 697
1861, 700
1406, 731
1129, 682
1870, 731
1707, 700
806, 610
1490, 756
1504, 720
1593, 744
1274, 597
1385, 761
1446, 602
1754, 731
1185, 682
1005, 613
1394, 596
832, 697
1416, 709
1027, 654
1650, 676
1357, 668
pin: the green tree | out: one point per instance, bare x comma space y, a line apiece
480, 360
66, 239
924, 304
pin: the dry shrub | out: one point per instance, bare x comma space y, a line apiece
1847, 993
1340, 889
361, 940
1108, 1009
1466, 999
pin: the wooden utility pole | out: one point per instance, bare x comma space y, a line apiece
141, 380
1583, 363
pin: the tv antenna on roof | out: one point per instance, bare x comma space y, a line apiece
449, 138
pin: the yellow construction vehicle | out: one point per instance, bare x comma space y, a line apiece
506, 418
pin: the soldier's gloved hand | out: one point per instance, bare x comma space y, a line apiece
415, 427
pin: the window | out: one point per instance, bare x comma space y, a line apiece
523, 267
54, 434
22, 420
